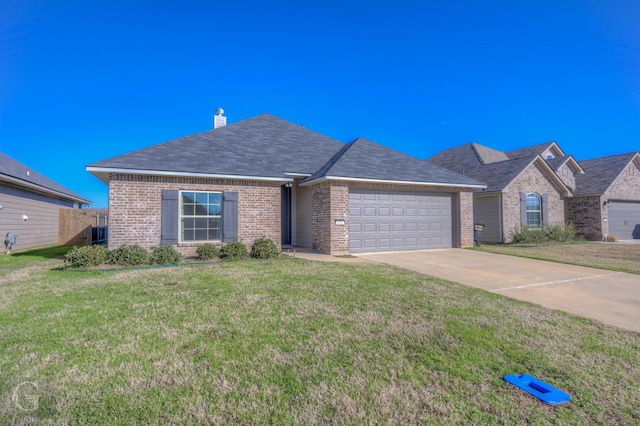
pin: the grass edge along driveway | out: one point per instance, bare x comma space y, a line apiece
297, 342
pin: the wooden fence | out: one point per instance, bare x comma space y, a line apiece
76, 225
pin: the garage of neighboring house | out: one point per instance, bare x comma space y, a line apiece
390, 221
624, 219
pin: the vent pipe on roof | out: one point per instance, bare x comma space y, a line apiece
219, 120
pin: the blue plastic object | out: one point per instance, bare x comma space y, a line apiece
541, 390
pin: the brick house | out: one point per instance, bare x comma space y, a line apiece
541, 184
30, 205
266, 177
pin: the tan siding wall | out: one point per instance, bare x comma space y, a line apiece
41, 229
487, 210
135, 208
531, 180
303, 217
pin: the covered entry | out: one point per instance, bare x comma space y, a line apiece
624, 219
389, 221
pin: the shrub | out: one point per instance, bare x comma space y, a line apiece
85, 256
126, 255
264, 248
164, 254
546, 233
611, 238
233, 251
207, 251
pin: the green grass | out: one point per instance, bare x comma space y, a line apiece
612, 256
290, 341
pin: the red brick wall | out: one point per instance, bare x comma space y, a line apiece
135, 208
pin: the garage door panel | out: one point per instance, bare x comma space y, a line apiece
624, 219
399, 221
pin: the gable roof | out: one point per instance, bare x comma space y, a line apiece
18, 174
535, 149
264, 146
600, 173
498, 175
488, 155
270, 148
364, 160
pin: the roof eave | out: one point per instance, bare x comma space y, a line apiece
41, 189
97, 171
396, 182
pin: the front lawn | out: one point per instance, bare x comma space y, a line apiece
290, 341
612, 256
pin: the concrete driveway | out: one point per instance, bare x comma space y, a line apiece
607, 296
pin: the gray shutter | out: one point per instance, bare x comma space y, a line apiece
544, 209
169, 223
229, 216
523, 209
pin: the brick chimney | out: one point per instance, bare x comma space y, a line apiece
219, 120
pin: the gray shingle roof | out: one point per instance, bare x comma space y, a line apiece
17, 173
488, 155
264, 146
363, 159
464, 159
600, 173
529, 150
267, 146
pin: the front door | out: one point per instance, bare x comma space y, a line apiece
285, 203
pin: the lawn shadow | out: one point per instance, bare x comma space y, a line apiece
51, 252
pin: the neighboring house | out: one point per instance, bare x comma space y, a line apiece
266, 177
31, 205
606, 200
525, 187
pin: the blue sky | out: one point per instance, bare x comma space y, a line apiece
81, 81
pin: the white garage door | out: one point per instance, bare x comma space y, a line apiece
388, 221
624, 219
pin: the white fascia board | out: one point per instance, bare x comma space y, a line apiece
395, 182
185, 174
298, 174
37, 188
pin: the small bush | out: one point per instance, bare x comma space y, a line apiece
126, 255
264, 248
233, 251
85, 256
207, 251
611, 238
547, 233
164, 254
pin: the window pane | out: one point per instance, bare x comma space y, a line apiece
214, 234
201, 223
201, 235
533, 202
201, 197
188, 209
215, 198
533, 219
215, 210
201, 210
188, 198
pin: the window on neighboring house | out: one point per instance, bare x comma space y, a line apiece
200, 216
534, 210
